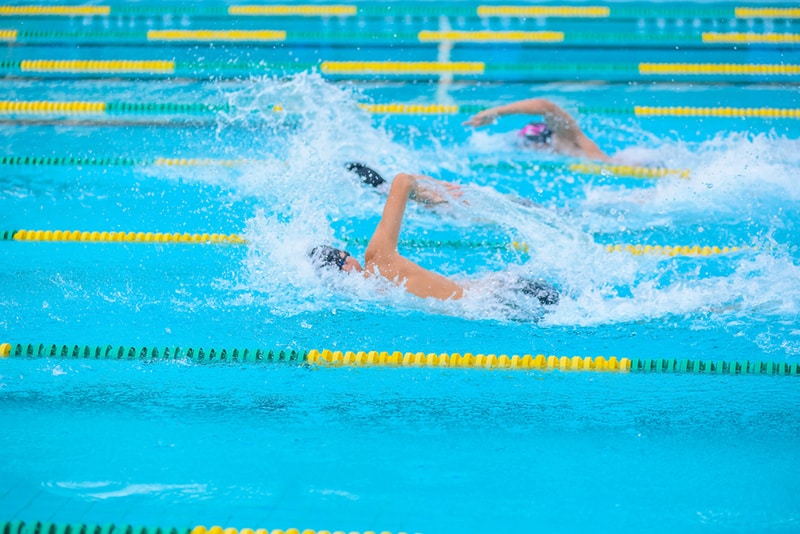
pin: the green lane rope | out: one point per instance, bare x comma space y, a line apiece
22, 527
234, 239
328, 358
62, 161
108, 352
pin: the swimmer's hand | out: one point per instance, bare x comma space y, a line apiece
487, 116
428, 190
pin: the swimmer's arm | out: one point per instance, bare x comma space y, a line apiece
382, 251
531, 106
387, 233
556, 118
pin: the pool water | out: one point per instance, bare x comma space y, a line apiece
411, 449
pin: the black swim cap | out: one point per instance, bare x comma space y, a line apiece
368, 176
324, 256
544, 292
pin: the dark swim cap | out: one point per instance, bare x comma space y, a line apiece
324, 256
368, 176
546, 294
536, 132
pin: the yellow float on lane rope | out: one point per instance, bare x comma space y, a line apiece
468, 360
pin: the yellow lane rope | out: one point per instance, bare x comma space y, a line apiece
746, 38
19, 106
488, 361
202, 162
486, 36
543, 11
726, 69
690, 111
287, 10
628, 170
126, 237
216, 35
677, 250
767, 12
110, 66
8, 35
402, 67
411, 109
65, 11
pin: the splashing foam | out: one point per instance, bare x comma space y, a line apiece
732, 177
303, 193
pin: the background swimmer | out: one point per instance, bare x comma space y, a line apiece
558, 133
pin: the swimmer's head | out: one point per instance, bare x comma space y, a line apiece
367, 175
536, 132
327, 257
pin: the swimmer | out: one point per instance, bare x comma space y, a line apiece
433, 194
383, 259
559, 133
429, 190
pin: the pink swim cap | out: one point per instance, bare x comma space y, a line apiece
536, 132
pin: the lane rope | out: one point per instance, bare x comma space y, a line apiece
217, 35
427, 70
595, 169
378, 37
386, 108
98, 66
61, 11
696, 111
544, 11
488, 36
750, 38
402, 67
461, 9
287, 10
37, 527
235, 239
122, 237
718, 69
328, 358
767, 12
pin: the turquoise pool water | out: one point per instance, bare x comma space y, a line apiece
240, 142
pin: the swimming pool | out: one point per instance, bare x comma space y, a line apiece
187, 173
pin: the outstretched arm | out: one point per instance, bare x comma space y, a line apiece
387, 233
555, 117
561, 123
382, 257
